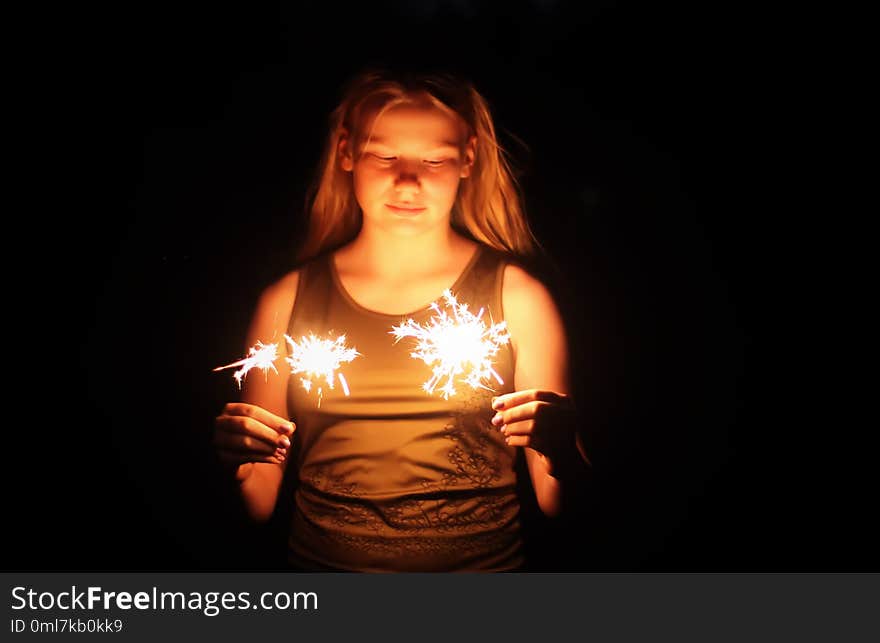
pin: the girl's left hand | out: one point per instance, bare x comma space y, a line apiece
541, 420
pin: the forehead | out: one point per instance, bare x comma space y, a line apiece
427, 126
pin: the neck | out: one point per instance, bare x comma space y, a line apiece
383, 253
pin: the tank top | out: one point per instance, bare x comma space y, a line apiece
391, 478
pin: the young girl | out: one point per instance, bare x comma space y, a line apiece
414, 197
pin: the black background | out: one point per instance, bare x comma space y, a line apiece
170, 147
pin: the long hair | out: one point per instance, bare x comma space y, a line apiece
488, 207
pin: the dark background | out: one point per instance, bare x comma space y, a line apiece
171, 149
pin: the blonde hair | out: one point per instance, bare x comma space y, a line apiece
488, 207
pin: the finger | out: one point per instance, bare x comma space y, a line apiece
233, 457
242, 443
527, 411
258, 413
234, 445
519, 428
518, 440
238, 425
509, 400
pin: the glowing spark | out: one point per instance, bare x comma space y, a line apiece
344, 383
319, 358
261, 356
454, 345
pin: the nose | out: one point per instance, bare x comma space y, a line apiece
407, 180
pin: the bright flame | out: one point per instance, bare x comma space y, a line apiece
457, 344
319, 358
261, 356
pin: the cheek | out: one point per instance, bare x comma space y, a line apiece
442, 178
367, 182
373, 183
445, 183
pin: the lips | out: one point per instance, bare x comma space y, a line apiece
407, 209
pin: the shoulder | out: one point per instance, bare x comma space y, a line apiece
282, 291
274, 308
522, 293
530, 311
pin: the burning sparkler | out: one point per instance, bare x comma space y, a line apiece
319, 358
457, 344
261, 356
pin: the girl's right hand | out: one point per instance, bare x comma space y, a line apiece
245, 433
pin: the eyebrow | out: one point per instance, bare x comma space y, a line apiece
381, 141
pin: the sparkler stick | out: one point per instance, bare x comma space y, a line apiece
455, 345
261, 356
319, 358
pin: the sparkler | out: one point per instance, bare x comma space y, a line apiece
319, 358
454, 345
311, 357
261, 356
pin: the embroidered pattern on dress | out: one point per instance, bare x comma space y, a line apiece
400, 525
343, 514
466, 505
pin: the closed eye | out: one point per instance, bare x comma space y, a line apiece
389, 159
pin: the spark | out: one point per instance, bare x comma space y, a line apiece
455, 345
261, 356
316, 358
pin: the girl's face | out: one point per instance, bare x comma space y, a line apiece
406, 177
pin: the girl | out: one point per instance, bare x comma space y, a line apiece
414, 197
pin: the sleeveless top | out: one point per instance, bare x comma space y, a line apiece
392, 478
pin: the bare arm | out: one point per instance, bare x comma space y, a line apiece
539, 415
260, 481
